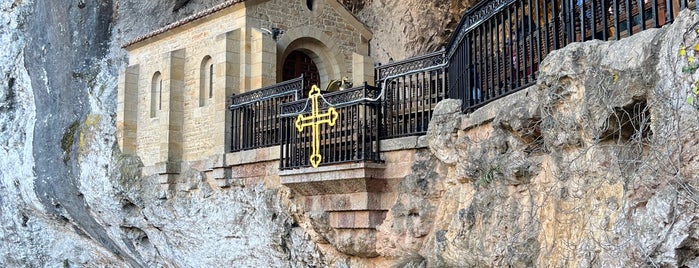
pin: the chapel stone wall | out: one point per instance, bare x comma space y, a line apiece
329, 22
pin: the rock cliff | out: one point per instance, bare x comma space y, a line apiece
593, 166
404, 29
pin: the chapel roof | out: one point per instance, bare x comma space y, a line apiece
214, 9
184, 21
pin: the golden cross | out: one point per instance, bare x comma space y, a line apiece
315, 119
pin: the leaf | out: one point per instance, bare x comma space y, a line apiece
690, 59
616, 77
687, 69
690, 100
683, 51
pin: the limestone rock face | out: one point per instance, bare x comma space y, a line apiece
592, 167
595, 166
407, 28
69, 198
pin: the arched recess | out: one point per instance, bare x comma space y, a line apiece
156, 94
319, 52
206, 81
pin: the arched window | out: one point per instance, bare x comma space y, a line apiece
309, 4
156, 94
206, 78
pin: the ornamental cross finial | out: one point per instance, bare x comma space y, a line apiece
314, 120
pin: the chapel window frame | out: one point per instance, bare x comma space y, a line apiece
156, 94
206, 78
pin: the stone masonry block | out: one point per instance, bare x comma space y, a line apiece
356, 219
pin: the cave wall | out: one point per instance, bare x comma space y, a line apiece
593, 166
408, 28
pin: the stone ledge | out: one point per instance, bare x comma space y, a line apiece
311, 173
252, 156
488, 112
403, 143
336, 179
226, 183
169, 167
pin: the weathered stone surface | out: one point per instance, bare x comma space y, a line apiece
592, 167
400, 26
69, 199
442, 130
595, 166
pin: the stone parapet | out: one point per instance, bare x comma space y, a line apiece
252, 156
336, 179
403, 143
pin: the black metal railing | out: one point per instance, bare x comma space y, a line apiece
495, 50
412, 87
354, 137
498, 45
255, 114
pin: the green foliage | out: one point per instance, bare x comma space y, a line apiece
67, 140
488, 176
692, 64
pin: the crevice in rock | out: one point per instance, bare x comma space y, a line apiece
135, 237
25, 219
630, 123
688, 253
179, 4
67, 140
79, 231
9, 102
355, 6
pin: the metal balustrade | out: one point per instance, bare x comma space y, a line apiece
354, 137
412, 88
255, 114
498, 45
495, 50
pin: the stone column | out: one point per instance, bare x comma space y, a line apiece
173, 101
228, 71
171, 121
362, 69
127, 107
263, 51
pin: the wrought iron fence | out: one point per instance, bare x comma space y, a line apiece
354, 137
498, 45
255, 114
496, 50
412, 87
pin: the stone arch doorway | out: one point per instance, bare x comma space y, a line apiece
297, 63
322, 56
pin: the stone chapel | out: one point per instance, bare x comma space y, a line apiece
217, 93
173, 94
